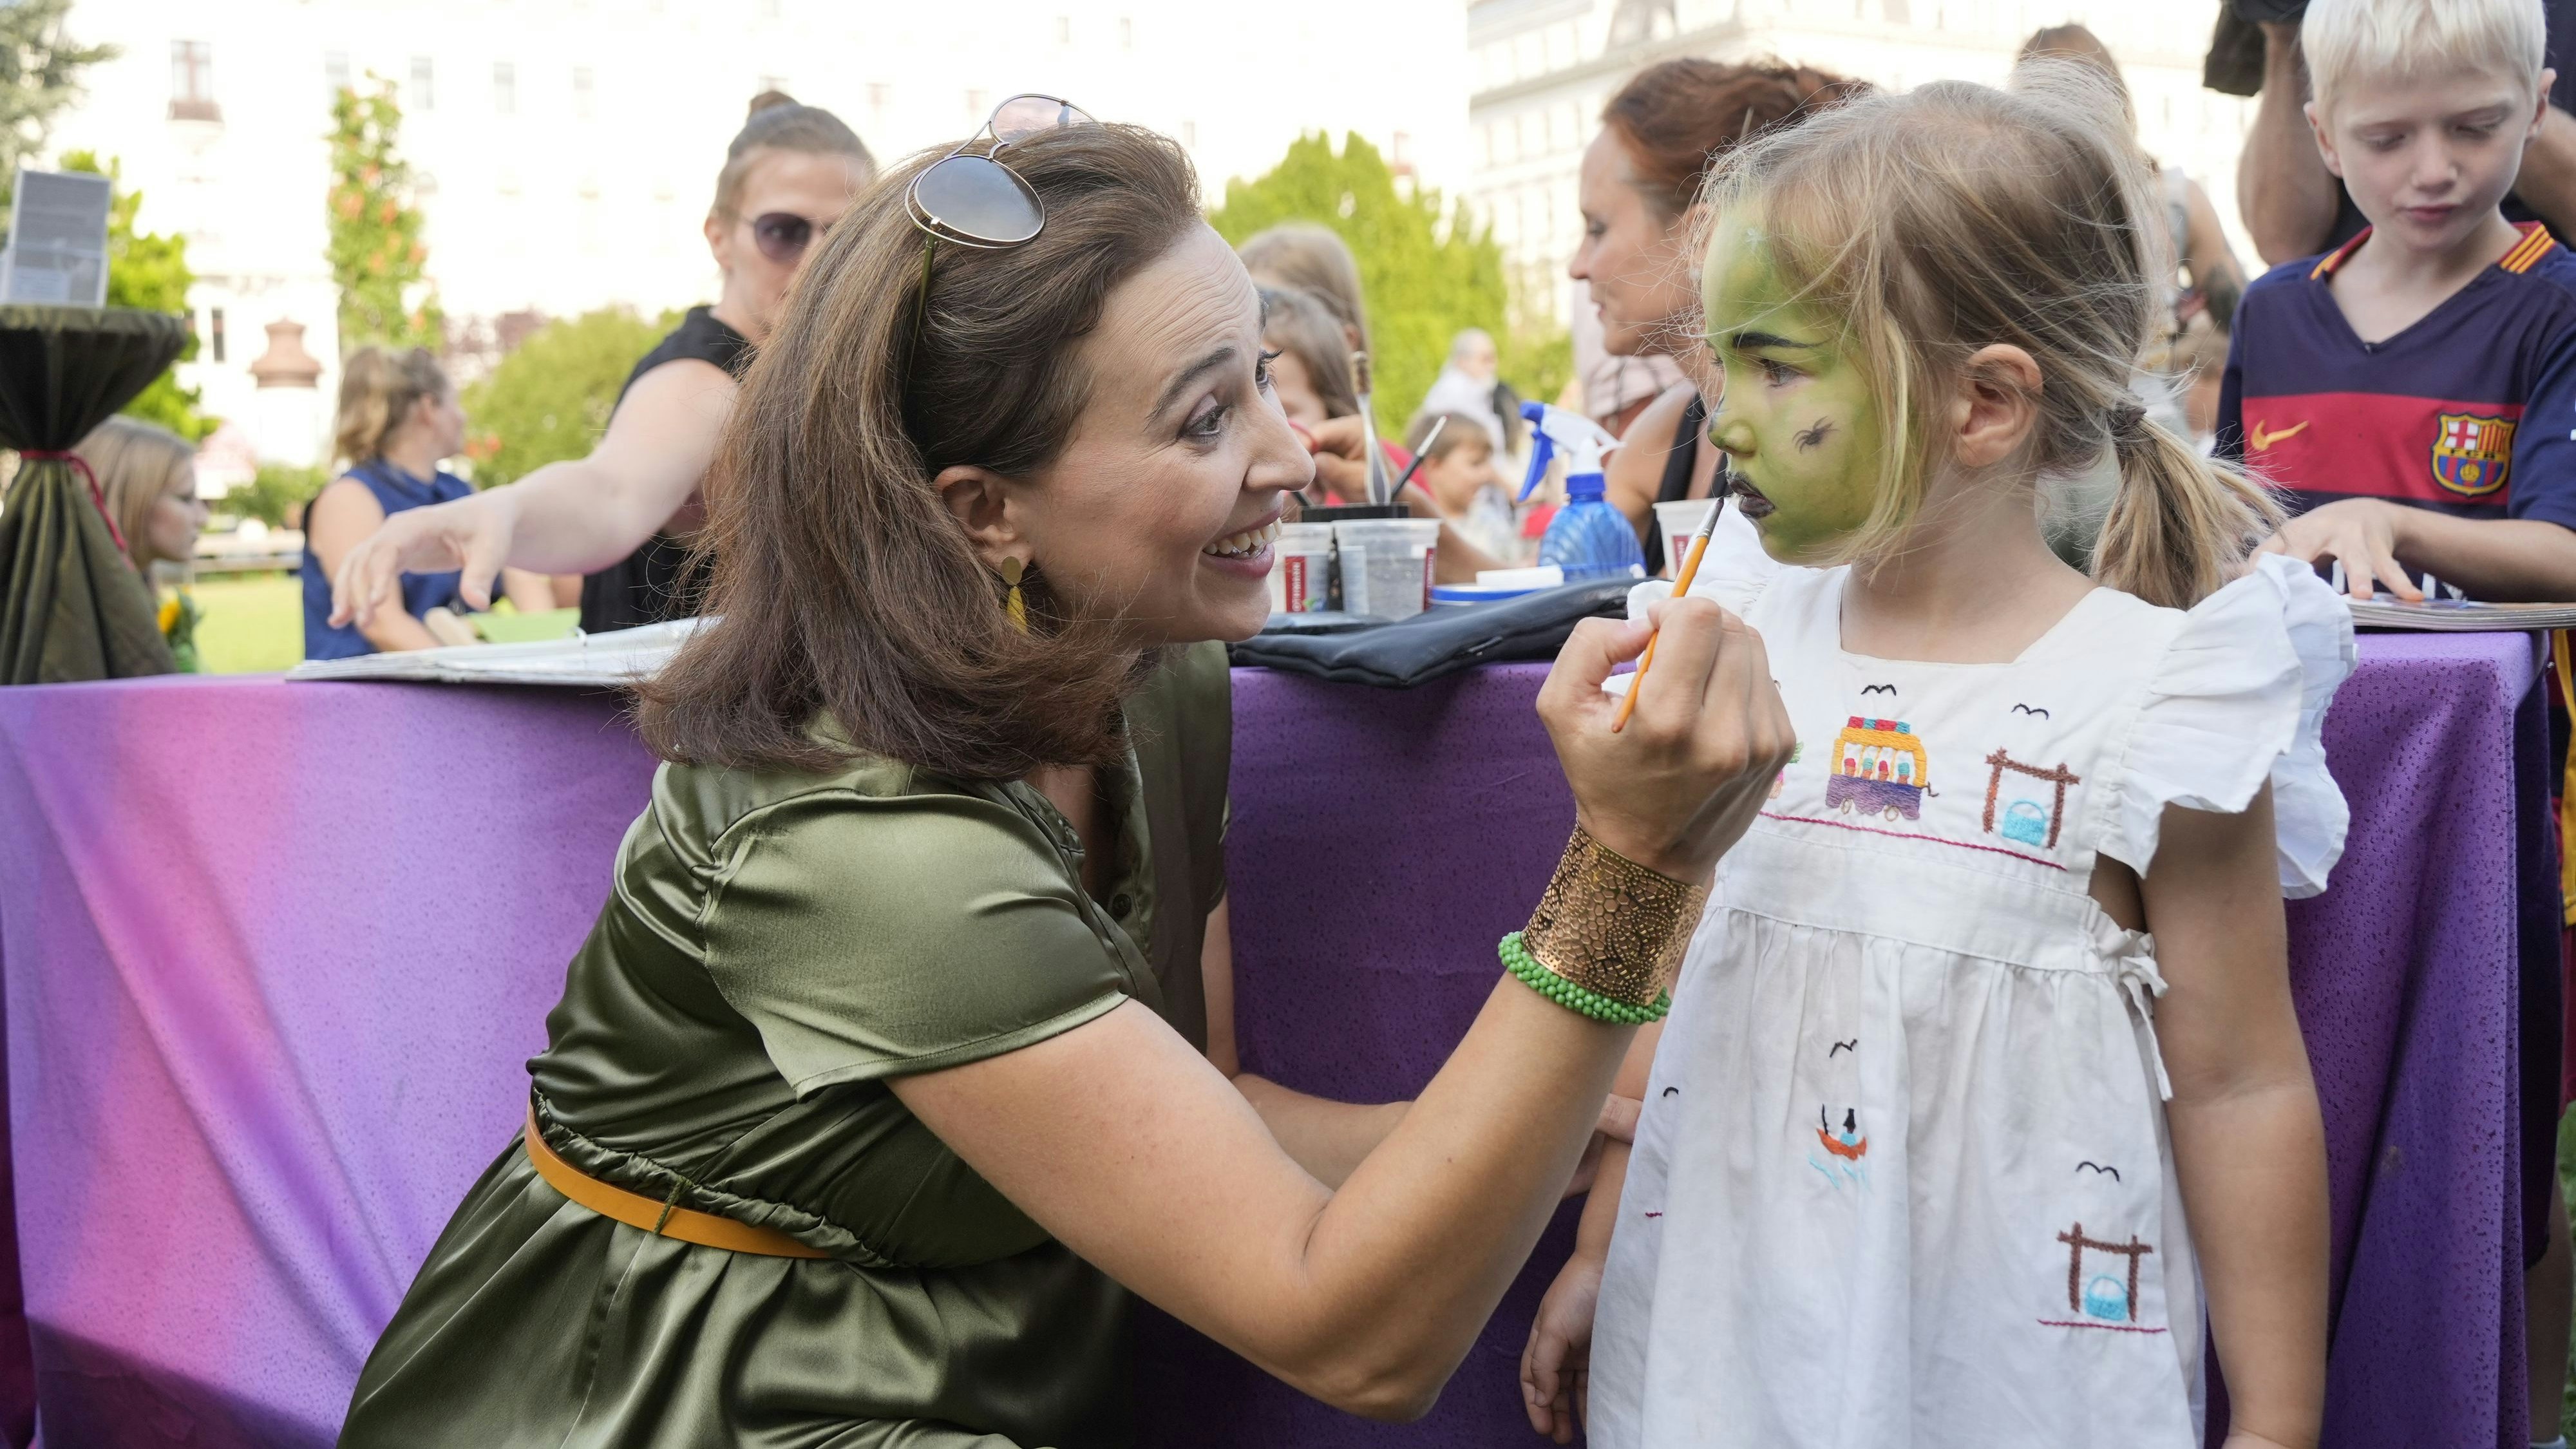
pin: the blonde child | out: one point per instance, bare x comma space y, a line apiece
148, 475
1458, 472
1982, 1081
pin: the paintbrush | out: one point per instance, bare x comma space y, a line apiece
1418, 455
1363, 380
1717, 497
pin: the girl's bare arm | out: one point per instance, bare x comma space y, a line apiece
2249, 1142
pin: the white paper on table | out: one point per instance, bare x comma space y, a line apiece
612, 660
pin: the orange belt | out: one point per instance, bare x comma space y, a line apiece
661, 1219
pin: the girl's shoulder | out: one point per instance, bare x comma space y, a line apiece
2230, 696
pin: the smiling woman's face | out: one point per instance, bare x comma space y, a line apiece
1161, 509
1798, 421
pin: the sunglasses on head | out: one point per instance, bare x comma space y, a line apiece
973, 199
782, 236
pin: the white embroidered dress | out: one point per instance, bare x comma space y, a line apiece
1902, 1179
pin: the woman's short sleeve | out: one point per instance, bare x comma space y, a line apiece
2239, 698
867, 936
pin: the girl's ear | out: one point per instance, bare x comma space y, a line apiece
1996, 407
979, 499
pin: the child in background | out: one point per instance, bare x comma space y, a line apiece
2413, 391
1970, 1089
148, 476
1458, 472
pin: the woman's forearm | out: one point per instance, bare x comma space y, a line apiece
1328, 1139
1409, 1258
575, 517
2253, 1172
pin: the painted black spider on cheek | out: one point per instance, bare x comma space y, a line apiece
1809, 437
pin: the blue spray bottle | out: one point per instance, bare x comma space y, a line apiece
1588, 538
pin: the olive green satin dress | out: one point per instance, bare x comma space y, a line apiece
774, 949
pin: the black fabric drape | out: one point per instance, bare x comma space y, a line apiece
71, 605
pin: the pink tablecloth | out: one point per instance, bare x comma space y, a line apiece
273, 955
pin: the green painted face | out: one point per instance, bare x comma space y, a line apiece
1798, 421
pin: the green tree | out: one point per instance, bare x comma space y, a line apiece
1428, 270
277, 495
40, 71
377, 257
150, 271
550, 399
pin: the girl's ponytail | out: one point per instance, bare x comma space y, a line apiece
2182, 525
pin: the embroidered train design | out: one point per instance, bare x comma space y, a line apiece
1881, 770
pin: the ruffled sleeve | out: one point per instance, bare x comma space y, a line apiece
1734, 572
2239, 697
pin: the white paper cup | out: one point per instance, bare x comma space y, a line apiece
1679, 520
1386, 564
1301, 569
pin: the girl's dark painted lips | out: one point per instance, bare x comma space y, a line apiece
1748, 499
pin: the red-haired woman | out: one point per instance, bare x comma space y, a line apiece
1640, 193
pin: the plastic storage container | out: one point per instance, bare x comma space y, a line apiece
1386, 564
1679, 520
1301, 571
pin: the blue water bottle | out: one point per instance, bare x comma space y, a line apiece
1588, 538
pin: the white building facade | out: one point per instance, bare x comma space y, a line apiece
567, 149
1541, 71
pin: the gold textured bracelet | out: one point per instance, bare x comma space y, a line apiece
1612, 926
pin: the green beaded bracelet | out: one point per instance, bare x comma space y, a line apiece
1573, 997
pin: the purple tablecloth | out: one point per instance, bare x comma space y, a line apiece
273, 956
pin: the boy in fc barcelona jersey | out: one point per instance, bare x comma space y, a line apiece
2414, 391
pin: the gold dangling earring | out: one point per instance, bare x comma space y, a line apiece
1012, 603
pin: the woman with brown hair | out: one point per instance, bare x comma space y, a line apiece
1639, 194
878, 1083
623, 516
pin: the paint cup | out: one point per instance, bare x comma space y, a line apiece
1386, 564
1301, 575
1679, 520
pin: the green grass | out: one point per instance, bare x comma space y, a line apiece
253, 624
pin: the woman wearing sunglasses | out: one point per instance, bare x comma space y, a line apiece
623, 515
899, 1054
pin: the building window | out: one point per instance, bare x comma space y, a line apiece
584, 100
1189, 135
1064, 30
976, 109
505, 88
215, 333
424, 96
335, 71
192, 81
1126, 33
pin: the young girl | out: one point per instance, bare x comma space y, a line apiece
1941, 1146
